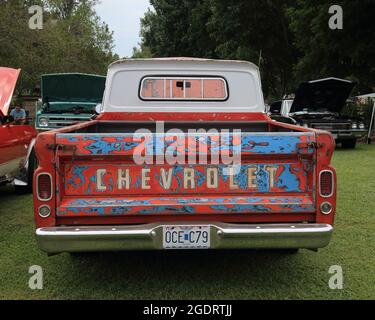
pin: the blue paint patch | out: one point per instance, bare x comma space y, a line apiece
240, 208
288, 180
94, 180
178, 172
241, 179
201, 178
138, 182
110, 184
263, 179
77, 174
120, 210
270, 144
90, 211
161, 209
99, 146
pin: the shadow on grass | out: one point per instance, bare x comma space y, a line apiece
7, 193
361, 147
231, 274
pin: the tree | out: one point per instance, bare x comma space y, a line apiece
347, 53
177, 28
74, 42
65, 8
141, 52
256, 31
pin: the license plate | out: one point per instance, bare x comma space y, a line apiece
186, 237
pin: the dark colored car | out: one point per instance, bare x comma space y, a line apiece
319, 104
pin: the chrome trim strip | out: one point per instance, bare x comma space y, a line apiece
150, 236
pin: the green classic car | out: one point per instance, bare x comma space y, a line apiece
68, 98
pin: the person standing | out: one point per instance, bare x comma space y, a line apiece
19, 115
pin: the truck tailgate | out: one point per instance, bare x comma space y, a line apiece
97, 177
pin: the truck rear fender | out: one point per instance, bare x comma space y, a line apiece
324, 156
46, 166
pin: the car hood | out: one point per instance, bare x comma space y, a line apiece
75, 87
8, 81
325, 94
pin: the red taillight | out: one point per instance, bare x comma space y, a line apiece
326, 183
44, 187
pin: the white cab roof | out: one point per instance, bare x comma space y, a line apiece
125, 77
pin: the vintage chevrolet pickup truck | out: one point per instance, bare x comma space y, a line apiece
183, 156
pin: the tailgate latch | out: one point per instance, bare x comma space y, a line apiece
61, 147
303, 149
56, 147
306, 146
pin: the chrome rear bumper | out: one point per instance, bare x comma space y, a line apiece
150, 236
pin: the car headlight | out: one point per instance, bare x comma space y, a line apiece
354, 126
43, 122
362, 126
305, 125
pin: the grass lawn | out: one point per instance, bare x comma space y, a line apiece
203, 275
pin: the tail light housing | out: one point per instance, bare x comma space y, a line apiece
44, 186
326, 183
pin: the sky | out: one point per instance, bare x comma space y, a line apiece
123, 18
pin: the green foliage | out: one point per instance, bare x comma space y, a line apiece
359, 111
256, 31
177, 28
73, 39
347, 53
290, 40
143, 52
65, 8
249, 30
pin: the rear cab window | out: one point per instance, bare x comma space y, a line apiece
169, 88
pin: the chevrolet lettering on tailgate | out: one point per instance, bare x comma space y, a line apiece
251, 177
183, 156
